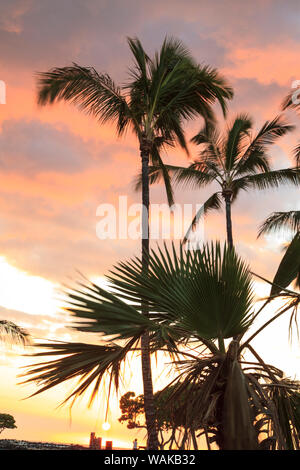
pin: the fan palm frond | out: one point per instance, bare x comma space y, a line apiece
87, 362
197, 291
97, 310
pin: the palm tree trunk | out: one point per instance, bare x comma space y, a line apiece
152, 443
227, 198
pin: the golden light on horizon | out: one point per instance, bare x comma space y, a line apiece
34, 291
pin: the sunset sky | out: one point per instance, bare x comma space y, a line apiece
57, 166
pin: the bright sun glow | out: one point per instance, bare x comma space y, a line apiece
105, 426
25, 293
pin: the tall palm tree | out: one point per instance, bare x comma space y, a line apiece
235, 160
160, 95
196, 301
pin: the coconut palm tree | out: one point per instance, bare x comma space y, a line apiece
235, 160
9, 331
160, 95
198, 304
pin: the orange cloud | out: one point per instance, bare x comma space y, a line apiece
269, 64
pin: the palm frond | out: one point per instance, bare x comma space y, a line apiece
157, 173
239, 184
220, 90
281, 220
297, 155
191, 92
209, 135
239, 129
214, 202
255, 155
88, 363
289, 102
197, 379
142, 63
289, 267
193, 175
212, 144
207, 292
97, 310
256, 160
270, 132
9, 331
162, 173
271, 179
90, 91
287, 402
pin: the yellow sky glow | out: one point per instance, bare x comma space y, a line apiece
26, 293
39, 419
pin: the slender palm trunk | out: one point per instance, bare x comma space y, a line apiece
227, 197
145, 343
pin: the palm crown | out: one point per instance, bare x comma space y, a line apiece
160, 93
236, 160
